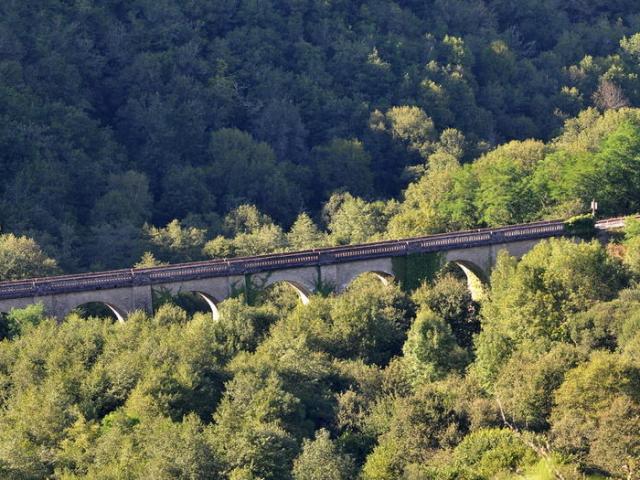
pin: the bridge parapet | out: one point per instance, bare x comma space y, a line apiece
317, 257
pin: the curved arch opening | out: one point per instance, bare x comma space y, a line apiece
193, 302
477, 281
384, 277
302, 292
284, 294
376, 275
211, 303
100, 310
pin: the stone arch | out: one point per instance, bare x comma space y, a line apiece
385, 278
196, 295
477, 280
211, 302
184, 296
304, 292
119, 313
343, 274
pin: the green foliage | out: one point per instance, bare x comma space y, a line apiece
304, 234
252, 233
597, 413
352, 220
283, 105
524, 181
21, 257
631, 228
175, 242
605, 175
343, 165
632, 245
531, 301
245, 171
276, 397
320, 460
148, 260
411, 270
632, 255
127, 200
607, 325
20, 320
440, 200
182, 396
581, 226
431, 351
412, 126
526, 383
450, 298
505, 193
417, 426
241, 327
368, 321
175, 128
490, 452
160, 449
556, 278
102, 400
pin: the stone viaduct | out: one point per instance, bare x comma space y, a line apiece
124, 291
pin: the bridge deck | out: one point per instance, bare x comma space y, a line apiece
320, 256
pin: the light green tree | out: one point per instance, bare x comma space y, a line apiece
175, 242
450, 298
304, 234
412, 126
22, 257
321, 460
250, 232
353, 220
526, 384
440, 200
533, 300
597, 409
368, 321
431, 351
149, 260
632, 245
505, 195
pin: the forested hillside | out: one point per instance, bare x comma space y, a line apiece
147, 132
116, 115
375, 383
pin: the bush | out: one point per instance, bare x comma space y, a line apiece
583, 226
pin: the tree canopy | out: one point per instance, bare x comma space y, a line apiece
151, 132
113, 116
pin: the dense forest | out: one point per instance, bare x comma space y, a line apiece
148, 132
118, 118
375, 383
